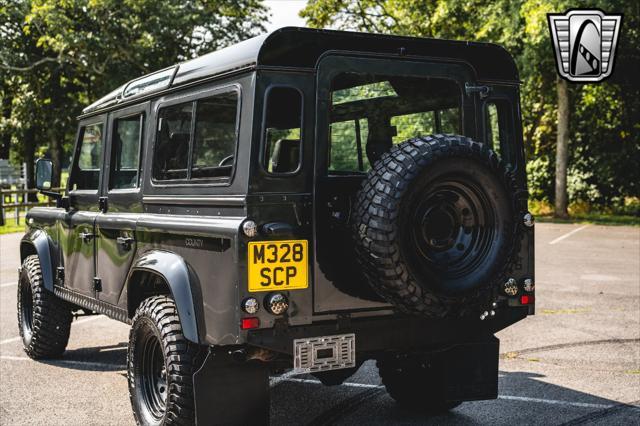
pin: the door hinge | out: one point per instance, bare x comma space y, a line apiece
60, 274
483, 91
103, 204
97, 284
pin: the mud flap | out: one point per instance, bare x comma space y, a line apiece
229, 392
470, 370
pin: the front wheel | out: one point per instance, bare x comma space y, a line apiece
415, 382
44, 320
161, 363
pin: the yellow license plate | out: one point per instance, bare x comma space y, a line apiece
278, 265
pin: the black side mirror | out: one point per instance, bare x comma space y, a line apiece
44, 174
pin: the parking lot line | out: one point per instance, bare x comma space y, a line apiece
11, 284
15, 339
554, 401
567, 235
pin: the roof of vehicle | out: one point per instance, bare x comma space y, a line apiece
295, 47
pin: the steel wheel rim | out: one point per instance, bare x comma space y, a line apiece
26, 309
153, 377
452, 229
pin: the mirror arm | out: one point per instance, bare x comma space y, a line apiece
52, 194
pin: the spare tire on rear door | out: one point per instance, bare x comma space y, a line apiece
437, 225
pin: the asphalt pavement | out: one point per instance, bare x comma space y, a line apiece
577, 361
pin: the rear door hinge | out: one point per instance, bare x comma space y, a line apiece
97, 284
483, 91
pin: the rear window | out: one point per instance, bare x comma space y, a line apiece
370, 113
197, 139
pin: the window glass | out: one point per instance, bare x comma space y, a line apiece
125, 152
86, 173
172, 142
370, 113
215, 136
499, 127
156, 81
197, 139
282, 130
493, 129
345, 137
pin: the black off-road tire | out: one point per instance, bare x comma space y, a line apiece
156, 342
414, 383
44, 320
397, 229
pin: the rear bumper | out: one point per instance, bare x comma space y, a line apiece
389, 333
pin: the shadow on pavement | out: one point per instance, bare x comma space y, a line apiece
97, 358
524, 399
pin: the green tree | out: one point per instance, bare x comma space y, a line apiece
57, 56
572, 139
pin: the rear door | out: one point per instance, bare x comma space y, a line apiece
365, 105
116, 224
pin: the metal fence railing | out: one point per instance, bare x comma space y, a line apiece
18, 201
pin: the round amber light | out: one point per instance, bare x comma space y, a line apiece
276, 303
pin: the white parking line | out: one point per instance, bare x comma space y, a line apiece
11, 284
567, 235
554, 402
15, 339
505, 397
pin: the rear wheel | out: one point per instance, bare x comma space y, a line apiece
161, 363
415, 383
44, 320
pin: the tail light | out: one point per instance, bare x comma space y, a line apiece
249, 323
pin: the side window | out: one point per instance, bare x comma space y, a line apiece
283, 121
197, 139
86, 171
370, 113
172, 142
125, 152
215, 136
499, 126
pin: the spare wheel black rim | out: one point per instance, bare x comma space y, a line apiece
153, 375
452, 231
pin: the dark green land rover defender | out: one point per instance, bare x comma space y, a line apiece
304, 200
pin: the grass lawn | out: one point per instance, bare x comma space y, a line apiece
11, 227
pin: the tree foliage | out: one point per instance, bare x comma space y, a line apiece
59, 55
604, 160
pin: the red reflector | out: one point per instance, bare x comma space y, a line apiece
248, 323
526, 299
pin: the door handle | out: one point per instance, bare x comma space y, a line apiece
125, 242
86, 236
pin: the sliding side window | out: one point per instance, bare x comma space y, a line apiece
197, 139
